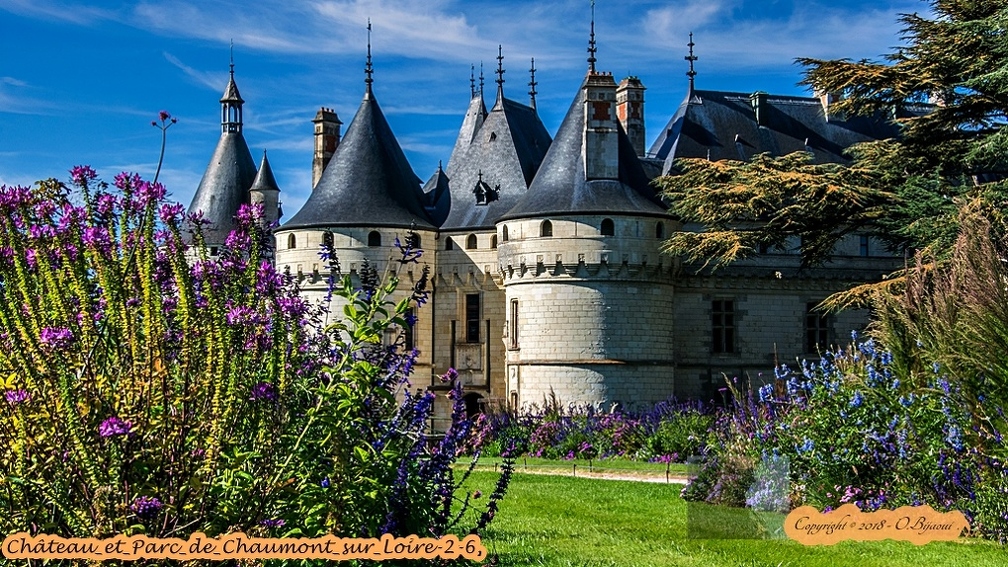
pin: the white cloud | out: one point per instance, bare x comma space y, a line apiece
61, 11
207, 79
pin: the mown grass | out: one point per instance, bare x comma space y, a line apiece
565, 521
610, 466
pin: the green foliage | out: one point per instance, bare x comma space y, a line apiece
153, 389
741, 206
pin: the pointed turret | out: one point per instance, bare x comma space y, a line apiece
230, 173
266, 192
437, 196
368, 182
495, 158
591, 167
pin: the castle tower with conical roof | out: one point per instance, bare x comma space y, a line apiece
496, 156
230, 173
367, 197
588, 293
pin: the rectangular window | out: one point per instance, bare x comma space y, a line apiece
723, 326
408, 336
472, 316
816, 330
865, 251
514, 323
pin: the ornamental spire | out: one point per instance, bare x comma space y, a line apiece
532, 84
368, 69
691, 58
591, 41
500, 73
472, 81
481, 78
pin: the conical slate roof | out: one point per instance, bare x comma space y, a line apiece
368, 182
474, 117
437, 196
225, 186
497, 166
561, 186
231, 91
265, 180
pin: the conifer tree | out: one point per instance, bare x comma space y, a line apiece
948, 89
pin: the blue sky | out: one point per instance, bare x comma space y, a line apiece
80, 82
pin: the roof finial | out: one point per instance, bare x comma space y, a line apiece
500, 68
368, 69
691, 58
532, 84
591, 42
481, 78
472, 81
232, 58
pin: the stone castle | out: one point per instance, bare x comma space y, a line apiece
545, 253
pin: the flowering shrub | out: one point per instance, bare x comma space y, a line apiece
154, 389
667, 432
853, 430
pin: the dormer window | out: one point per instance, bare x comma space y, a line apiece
608, 227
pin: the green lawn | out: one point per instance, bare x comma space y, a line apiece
565, 521
577, 466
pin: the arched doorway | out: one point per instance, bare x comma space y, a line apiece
474, 404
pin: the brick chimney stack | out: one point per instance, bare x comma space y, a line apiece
327, 139
630, 111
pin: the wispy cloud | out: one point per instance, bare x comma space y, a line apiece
59, 11
207, 79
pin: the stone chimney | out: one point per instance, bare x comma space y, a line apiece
827, 100
327, 138
760, 107
630, 111
601, 137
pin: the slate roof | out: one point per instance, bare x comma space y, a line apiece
437, 196
494, 171
724, 124
561, 187
265, 180
225, 186
368, 182
231, 91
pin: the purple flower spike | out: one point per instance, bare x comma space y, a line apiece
146, 507
264, 391
114, 426
56, 338
274, 523
16, 397
449, 376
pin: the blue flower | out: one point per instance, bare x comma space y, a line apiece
805, 447
857, 399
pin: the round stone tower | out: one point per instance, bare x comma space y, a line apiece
589, 296
367, 197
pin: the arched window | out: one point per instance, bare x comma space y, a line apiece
328, 239
374, 238
471, 242
291, 242
546, 228
504, 233
659, 230
493, 241
448, 243
608, 228
414, 240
